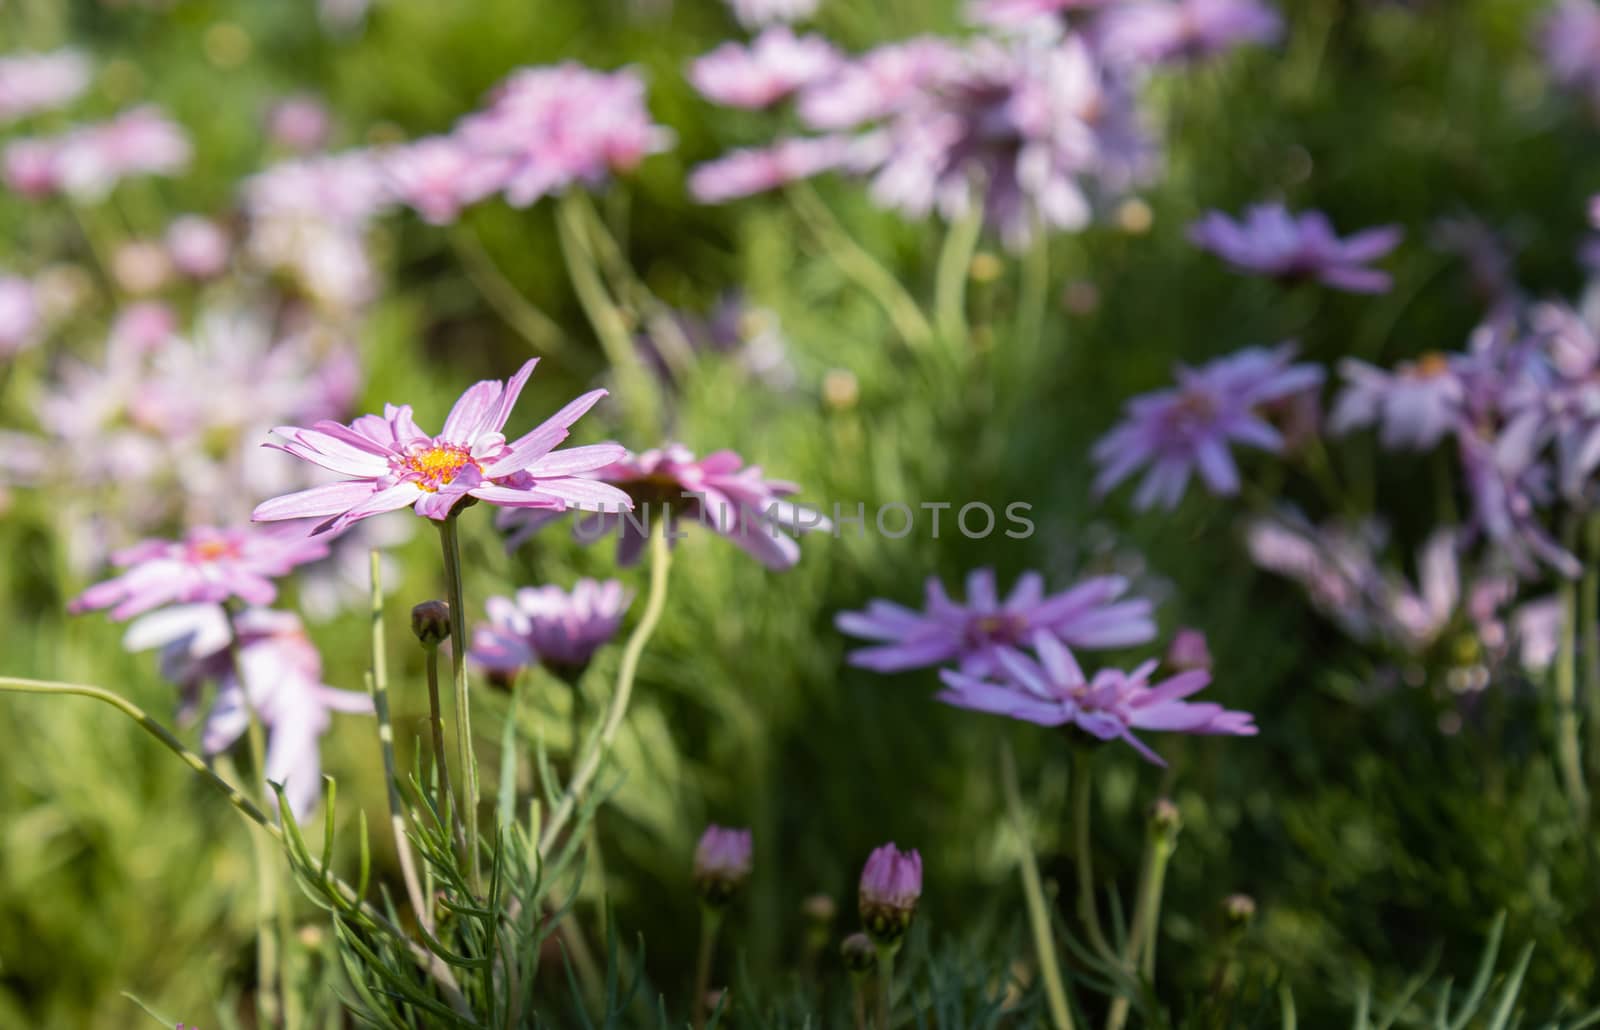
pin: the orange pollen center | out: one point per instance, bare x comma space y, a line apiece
211, 550
1431, 365
435, 466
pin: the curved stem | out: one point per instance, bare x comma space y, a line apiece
1087, 912
450, 539
1140, 949
378, 687
1044, 944
1034, 294
886, 985
589, 764
950, 283
710, 923
435, 966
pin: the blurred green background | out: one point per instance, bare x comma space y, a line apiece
1373, 842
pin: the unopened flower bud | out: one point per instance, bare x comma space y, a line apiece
1238, 909
1165, 819
891, 883
858, 953
721, 864
1188, 650
819, 908
430, 621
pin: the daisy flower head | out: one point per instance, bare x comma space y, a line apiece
389, 463
547, 625
1414, 407
1052, 690
773, 66
1189, 428
1272, 241
977, 632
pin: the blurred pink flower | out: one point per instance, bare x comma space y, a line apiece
1274, 242
1154, 31
299, 122
754, 14
30, 167
550, 626
976, 633
1188, 650
1569, 38
1052, 691
773, 66
88, 162
876, 84
392, 464
742, 173
308, 220
32, 83
438, 176
207, 565
1013, 13
891, 886
197, 247
20, 320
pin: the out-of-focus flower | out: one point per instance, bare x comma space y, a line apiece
299, 123
140, 267
1190, 427
773, 66
1272, 241
1336, 567
753, 14
720, 492
876, 84
30, 167
1053, 691
87, 163
891, 886
32, 83
1569, 38
1014, 13
1188, 650
207, 565
197, 247
439, 175
19, 315
977, 633
550, 626
722, 863
858, 954
1509, 486
1414, 407
261, 661
564, 125
741, 173
752, 337
392, 464
1156, 31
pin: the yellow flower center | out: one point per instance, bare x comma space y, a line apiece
435, 466
1431, 365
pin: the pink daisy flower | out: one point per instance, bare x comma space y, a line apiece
207, 565
1053, 691
774, 65
438, 176
551, 626
741, 173
393, 464
977, 632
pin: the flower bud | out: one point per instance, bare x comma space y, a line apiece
1165, 819
1188, 650
891, 883
819, 909
721, 864
858, 953
1238, 910
430, 621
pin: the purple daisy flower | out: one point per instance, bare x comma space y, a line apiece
1569, 39
207, 565
551, 626
1272, 241
393, 464
1189, 427
1052, 691
977, 633
1414, 407
1159, 31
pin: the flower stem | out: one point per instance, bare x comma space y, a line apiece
450, 539
1087, 912
950, 284
1569, 756
589, 765
886, 984
1589, 619
858, 992
1034, 294
448, 809
435, 966
1044, 944
710, 924
1140, 949
378, 687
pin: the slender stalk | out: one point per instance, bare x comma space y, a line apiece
378, 687
1034, 293
450, 539
950, 283
1044, 944
1569, 756
1589, 619
435, 966
446, 794
710, 924
539, 330
859, 264
589, 765
1087, 912
858, 999
1139, 951
886, 984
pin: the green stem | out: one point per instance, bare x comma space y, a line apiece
950, 284
1589, 616
710, 924
450, 540
600, 747
1034, 294
1568, 755
858, 992
1044, 944
448, 810
436, 967
1140, 949
1087, 911
539, 330
378, 687
859, 264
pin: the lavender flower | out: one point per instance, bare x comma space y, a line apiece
1189, 428
438, 176
1569, 39
980, 632
1414, 407
34, 83
772, 67
208, 565
741, 173
1053, 691
891, 885
1159, 31
1188, 650
197, 247
87, 163
551, 626
1273, 242
722, 863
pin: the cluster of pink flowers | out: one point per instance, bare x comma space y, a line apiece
87, 163
34, 83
